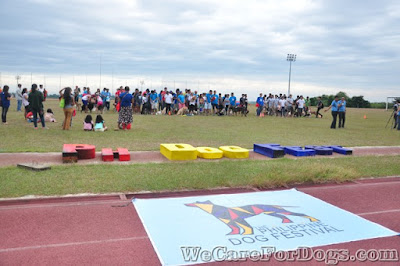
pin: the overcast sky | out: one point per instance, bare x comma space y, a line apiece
225, 44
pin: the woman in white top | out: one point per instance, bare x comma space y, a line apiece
168, 101
25, 102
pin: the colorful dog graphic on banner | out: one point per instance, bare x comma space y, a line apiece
234, 217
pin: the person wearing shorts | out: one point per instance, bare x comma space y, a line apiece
207, 104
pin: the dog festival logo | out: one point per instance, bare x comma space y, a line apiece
234, 217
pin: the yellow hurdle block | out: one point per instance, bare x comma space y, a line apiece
235, 152
178, 152
209, 153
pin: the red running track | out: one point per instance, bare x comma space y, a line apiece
108, 231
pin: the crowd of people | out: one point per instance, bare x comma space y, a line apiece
165, 102
32, 102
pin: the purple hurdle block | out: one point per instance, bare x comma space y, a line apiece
270, 150
320, 150
299, 151
341, 150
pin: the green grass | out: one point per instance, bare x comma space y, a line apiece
71, 179
149, 131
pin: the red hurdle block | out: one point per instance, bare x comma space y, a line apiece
124, 154
107, 155
73, 152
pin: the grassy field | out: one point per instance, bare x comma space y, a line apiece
72, 179
149, 131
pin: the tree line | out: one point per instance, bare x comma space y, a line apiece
355, 101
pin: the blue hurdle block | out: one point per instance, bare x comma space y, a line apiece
320, 150
341, 150
299, 151
270, 150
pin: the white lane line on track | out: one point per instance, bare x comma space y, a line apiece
378, 212
352, 185
70, 204
73, 244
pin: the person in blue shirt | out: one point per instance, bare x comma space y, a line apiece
207, 104
181, 100
232, 102
335, 108
260, 102
106, 97
342, 112
5, 103
125, 113
153, 101
214, 102
160, 101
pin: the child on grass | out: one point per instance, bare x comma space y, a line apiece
99, 126
88, 123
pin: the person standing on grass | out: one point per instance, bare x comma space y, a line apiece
208, 104
232, 102
226, 103
398, 118
214, 102
320, 106
5, 104
68, 107
300, 106
342, 112
289, 104
35, 100
334, 107
125, 114
260, 104
168, 101
153, 101
25, 102
220, 103
283, 103
181, 100
19, 98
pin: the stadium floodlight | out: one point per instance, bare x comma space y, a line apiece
291, 58
17, 77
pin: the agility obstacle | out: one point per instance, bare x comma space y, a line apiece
184, 152
72, 152
234, 152
299, 151
108, 155
209, 153
270, 150
178, 152
276, 151
320, 150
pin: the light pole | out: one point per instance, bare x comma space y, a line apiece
17, 77
291, 58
